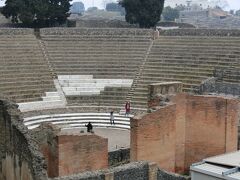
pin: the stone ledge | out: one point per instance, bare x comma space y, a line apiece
200, 32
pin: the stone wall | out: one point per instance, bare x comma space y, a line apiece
164, 175
20, 157
212, 86
153, 137
199, 32
97, 31
118, 157
225, 81
16, 31
92, 23
131, 171
46, 137
160, 93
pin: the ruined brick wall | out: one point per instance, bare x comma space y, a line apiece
209, 127
153, 137
20, 157
78, 153
176, 136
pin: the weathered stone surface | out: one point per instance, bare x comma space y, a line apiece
132, 171
18, 151
96, 31
16, 31
118, 157
199, 32
164, 175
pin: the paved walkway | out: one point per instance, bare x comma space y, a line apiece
117, 138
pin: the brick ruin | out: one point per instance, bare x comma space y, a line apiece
185, 130
176, 132
67, 153
174, 135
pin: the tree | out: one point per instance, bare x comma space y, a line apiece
170, 14
146, 13
37, 13
77, 8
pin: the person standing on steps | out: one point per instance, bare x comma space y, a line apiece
111, 118
127, 108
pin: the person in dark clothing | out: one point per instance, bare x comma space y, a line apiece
89, 127
111, 118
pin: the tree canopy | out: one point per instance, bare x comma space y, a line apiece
38, 13
146, 13
170, 14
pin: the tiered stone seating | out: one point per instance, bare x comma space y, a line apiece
24, 74
78, 120
49, 101
189, 59
101, 53
95, 90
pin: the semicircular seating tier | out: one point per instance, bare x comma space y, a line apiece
96, 66
188, 59
79, 120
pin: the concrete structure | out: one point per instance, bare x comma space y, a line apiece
219, 167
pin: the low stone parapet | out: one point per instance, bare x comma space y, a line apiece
97, 31
16, 31
199, 32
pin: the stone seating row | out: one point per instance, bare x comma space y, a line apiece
79, 120
85, 90
24, 73
182, 59
50, 100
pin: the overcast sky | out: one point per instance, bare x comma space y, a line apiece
234, 4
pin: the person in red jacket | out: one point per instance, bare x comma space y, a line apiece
127, 108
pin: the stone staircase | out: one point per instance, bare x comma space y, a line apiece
138, 75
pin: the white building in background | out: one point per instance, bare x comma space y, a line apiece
225, 166
203, 3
